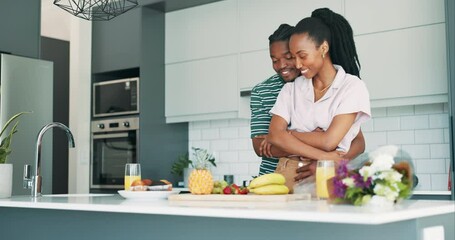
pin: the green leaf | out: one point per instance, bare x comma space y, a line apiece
11, 120
6, 142
182, 162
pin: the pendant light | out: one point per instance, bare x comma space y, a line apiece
96, 10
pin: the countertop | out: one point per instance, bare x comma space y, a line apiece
302, 211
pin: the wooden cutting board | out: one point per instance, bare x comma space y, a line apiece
242, 198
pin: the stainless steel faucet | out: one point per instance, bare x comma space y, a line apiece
35, 182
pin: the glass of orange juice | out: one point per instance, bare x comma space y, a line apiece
132, 173
325, 170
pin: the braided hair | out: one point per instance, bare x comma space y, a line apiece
283, 33
326, 25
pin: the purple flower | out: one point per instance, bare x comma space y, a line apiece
339, 188
359, 181
342, 169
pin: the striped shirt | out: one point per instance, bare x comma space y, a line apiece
263, 97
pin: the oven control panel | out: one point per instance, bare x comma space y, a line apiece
115, 124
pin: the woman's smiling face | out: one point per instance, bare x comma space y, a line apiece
307, 55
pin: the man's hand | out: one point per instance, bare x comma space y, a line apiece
266, 148
306, 171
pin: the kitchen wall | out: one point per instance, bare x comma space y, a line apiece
421, 130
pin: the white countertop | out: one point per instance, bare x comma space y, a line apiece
304, 210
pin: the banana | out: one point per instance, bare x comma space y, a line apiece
267, 179
272, 189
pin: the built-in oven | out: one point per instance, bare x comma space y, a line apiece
116, 97
114, 142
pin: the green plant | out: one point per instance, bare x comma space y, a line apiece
181, 163
5, 146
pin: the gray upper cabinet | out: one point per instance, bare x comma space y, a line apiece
116, 43
20, 27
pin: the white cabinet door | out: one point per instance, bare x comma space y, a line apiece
258, 19
200, 32
376, 16
404, 63
202, 90
254, 67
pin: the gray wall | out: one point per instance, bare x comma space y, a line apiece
160, 143
20, 27
57, 51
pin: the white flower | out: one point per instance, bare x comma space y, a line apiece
390, 150
386, 191
382, 162
349, 182
379, 202
390, 176
366, 171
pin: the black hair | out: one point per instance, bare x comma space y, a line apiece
326, 25
283, 33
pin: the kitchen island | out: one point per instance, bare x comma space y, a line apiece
113, 217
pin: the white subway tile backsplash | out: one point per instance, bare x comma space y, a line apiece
194, 134
221, 169
254, 169
379, 112
210, 134
447, 164
219, 123
429, 108
446, 135
439, 151
414, 122
240, 144
368, 126
199, 144
374, 140
387, 124
430, 166
239, 122
424, 182
244, 132
400, 137
248, 156
199, 124
228, 157
439, 182
429, 136
417, 151
229, 133
240, 169
439, 121
422, 131
400, 111
219, 145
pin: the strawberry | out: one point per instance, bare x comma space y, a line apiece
243, 190
235, 189
227, 190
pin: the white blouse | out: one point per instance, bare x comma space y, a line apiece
347, 94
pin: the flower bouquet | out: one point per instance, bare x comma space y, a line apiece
379, 178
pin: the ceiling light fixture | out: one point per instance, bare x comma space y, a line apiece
96, 10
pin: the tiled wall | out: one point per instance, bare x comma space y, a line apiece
421, 130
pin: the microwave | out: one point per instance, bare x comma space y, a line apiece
116, 97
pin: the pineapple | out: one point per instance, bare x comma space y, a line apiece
200, 180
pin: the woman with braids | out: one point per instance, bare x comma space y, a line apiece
263, 97
324, 107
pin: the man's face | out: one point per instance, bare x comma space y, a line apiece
282, 61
